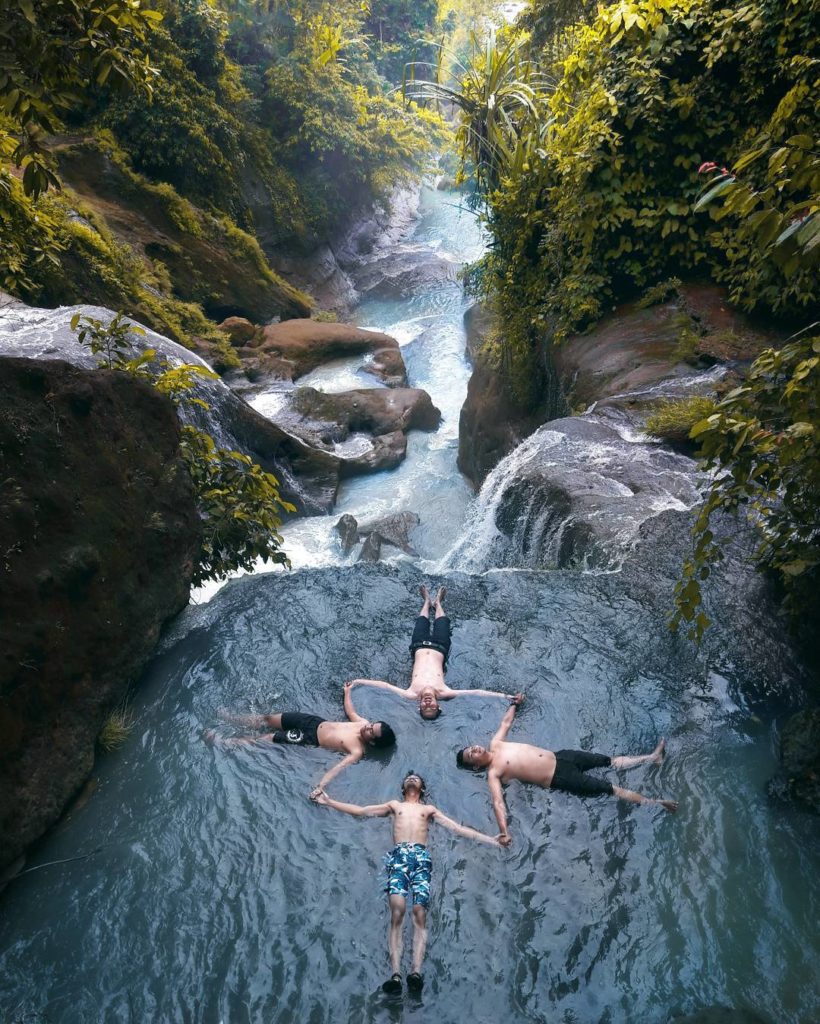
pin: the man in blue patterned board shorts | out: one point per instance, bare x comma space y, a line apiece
563, 769
408, 867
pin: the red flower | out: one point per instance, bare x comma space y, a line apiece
708, 166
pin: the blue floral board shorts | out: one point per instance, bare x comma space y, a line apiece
409, 868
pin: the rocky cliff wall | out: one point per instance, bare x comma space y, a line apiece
98, 537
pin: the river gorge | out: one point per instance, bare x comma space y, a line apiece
200, 884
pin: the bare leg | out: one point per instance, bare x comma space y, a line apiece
629, 762
210, 736
419, 937
425, 608
438, 603
636, 798
398, 906
273, 722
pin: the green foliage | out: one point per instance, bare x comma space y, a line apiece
49, 51
238, 502
499, 98
402, 31
763, 442
673, 420
111, 339
660, 292
116, 729
598, 203
353, 143
240, 508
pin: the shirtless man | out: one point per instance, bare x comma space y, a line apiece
408, 866
349, 738
563, 769
430, 650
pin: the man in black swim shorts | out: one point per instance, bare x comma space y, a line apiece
350, 738
429, 648
564, 769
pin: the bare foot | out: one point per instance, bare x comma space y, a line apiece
442, 593
210, 737
659, 751
425, 593
669, 805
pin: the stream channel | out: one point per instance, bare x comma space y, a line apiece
201, 885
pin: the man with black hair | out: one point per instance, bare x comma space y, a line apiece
408, 866
350, 738
430, 647
564, 769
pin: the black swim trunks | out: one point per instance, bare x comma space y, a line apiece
300, 729
436, 638
570, 766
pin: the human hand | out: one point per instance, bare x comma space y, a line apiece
350, 684
517, 699
504, 839
318, 795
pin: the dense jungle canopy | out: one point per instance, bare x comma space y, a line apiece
614, 150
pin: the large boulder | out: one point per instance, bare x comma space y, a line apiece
404, 272
293, 348
376, 410
309, 478
100, 533
492, 422
626, 364
394, 530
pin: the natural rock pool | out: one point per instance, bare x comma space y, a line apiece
199, 884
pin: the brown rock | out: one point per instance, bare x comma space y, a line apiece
386, 452
371, 549
302, 345
376, 410
635, 348
388, 366
100, 532
348, 530
240, 330
394, 530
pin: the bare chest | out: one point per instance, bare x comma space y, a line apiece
526, 763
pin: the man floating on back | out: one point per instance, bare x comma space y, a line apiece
408, 867
430, 647
564, 769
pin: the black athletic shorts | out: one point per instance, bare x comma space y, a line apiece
300, 729
435, 638
570, 766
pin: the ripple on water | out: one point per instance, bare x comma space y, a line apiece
220, 893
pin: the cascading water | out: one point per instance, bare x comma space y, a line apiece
201, 885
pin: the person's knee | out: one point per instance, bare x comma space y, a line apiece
396, 915
419, 916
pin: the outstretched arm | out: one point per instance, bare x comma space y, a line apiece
499, 808
463, 830
369, 811
350, 711
513, 698
334, 771
507, 721
382, 685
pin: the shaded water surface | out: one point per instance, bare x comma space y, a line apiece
218, 892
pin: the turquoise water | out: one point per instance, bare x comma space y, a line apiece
218, 892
